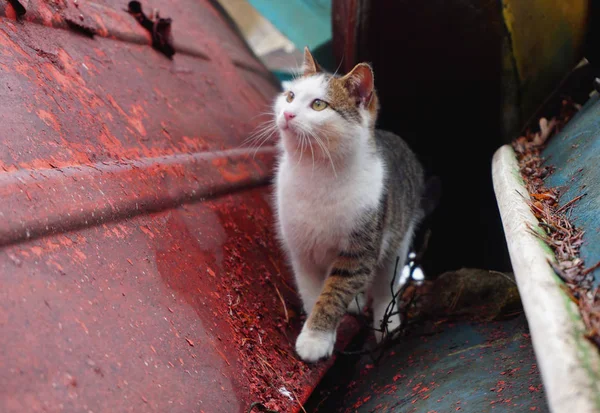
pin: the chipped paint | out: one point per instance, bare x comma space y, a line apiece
134, 223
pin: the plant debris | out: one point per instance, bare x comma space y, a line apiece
263, 315
555, 223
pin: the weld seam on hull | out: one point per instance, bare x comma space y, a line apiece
44, 201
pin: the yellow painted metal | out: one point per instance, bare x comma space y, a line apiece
546, 38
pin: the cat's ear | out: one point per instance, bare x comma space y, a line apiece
360, 83
310, 65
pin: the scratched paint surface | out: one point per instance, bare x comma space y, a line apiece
111, 95
138, 267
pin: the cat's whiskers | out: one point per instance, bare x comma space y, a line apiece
266, 110
261, 135
298, 142
309, 134
304, 143
324, 148
312, 153
328, 153
269, 113
312, 135
302, 139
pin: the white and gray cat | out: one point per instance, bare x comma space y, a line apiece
348, 199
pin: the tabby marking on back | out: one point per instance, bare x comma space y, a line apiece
347, 200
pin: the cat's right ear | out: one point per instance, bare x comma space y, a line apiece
310, 66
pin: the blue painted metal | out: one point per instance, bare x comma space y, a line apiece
465, 367
304, 22
575, 153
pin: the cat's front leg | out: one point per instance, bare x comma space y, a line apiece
350, 275
309, 281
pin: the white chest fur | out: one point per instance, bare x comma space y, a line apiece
317, 208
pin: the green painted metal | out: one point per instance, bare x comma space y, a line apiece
544, 41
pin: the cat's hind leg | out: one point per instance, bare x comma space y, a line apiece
385, 305
358, 304
386, 317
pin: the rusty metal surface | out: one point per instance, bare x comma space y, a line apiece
138, 268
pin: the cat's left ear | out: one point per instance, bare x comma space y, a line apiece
360, 83
310, 66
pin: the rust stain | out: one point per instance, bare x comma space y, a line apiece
197, 144
136, 119
10, 46
101, 30
82, 324
45, 13
37, 251
49, 119
115, 265
79, 254
232, 175
10, 12
23, 69
59, 267
67, 62
99, 52
62, 79
147, 231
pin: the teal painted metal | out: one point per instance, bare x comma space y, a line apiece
575, 153
464, 367
304, 22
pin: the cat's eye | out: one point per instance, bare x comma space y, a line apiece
318, 105
290, 96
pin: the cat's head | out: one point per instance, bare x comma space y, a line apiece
325, 115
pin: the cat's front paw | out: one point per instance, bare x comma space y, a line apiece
313, 345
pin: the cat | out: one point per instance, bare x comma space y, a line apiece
347, 201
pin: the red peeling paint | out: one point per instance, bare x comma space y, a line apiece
139, 268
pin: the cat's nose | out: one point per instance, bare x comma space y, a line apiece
289, 116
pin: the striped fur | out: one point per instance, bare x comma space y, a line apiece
347, 200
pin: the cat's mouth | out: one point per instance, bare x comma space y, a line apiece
288, 126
